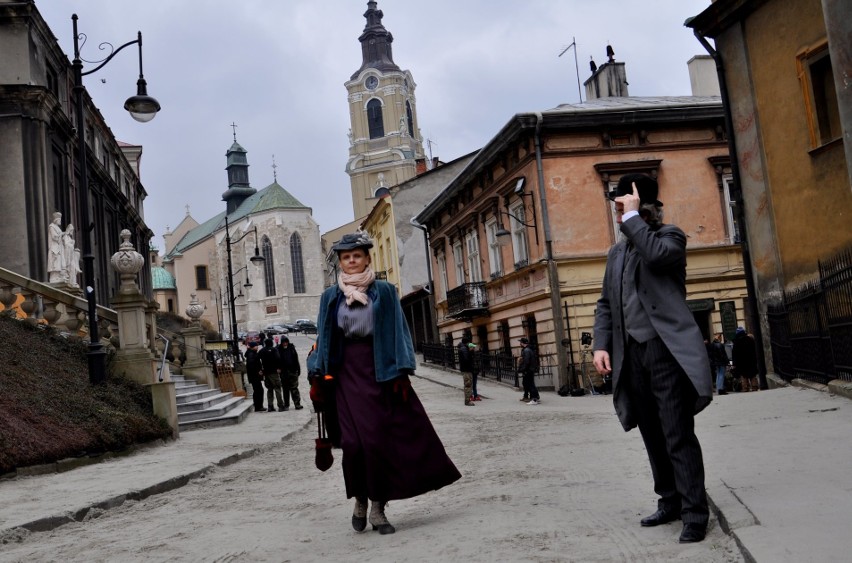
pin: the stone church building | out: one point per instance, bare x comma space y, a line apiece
269, 221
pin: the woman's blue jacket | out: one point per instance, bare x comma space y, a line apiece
393, 351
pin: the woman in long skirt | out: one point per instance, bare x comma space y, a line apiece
390, 449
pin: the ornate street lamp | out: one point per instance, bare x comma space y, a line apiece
256, 259
142, 108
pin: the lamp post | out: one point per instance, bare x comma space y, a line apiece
256, 259
502, 234
142, 108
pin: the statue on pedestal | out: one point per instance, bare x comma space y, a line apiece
56, 268
72, 256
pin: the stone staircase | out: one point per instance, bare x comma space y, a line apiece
199, 406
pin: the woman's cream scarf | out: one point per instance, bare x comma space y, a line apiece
354, 286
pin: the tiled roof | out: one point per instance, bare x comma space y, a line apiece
617, 103
272, 197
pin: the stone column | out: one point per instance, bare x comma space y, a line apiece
196, 365
133, 358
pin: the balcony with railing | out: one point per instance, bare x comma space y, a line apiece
467, 301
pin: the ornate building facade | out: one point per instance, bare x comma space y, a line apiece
384, 138
38, 165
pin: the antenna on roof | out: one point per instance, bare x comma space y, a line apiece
429, 144
274, 170
576, 65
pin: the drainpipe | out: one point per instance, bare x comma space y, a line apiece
432, 320
751, 291
561, 377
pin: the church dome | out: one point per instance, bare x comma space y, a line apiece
161, 279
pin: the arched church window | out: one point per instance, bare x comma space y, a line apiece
374, 119
268, 266
297, 263
408, 114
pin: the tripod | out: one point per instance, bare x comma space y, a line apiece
584, 356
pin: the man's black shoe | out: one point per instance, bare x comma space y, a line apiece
692, 533
661, 516
722, 392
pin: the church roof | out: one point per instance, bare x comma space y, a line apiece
272, 197
161, 279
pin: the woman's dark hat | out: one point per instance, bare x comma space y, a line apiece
645, 185
351, 241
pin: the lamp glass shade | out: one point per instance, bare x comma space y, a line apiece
142, 108
257, 259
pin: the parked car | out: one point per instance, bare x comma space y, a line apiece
272, 330
253, 337
306, 326
292, 327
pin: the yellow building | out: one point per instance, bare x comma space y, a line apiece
785, 69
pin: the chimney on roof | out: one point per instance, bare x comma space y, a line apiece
420, 164
610, 79
702, 76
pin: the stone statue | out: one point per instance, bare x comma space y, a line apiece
72, 256
403, 128
56, 268
349, 134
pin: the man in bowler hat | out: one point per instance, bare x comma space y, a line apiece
648, 339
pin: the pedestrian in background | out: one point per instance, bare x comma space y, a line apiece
474, 396
271, 372
719, 363
253, 367
390, 449
744, 359
527, 368
290, 371
466, 369
646, 336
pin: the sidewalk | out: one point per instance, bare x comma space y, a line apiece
776, 462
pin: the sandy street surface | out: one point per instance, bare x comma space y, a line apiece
557, 482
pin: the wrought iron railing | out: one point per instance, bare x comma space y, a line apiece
811, 329
467, 297
501, 365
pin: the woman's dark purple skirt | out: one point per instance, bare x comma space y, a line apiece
390, 449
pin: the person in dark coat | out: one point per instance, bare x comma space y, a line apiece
718, 363
390, 449
466, 368
290, 371
526, 367
271, 372
253, 368
744, 360
646, 336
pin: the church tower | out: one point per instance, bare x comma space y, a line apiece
384, 140
238, 178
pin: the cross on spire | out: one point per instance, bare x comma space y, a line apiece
274, 170
234, 127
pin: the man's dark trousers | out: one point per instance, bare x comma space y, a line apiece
664, 398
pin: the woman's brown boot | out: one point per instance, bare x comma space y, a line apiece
359, 515
378, 518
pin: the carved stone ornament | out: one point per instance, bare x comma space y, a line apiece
195, 309
127, 262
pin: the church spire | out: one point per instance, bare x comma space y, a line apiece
375, 42
238, 179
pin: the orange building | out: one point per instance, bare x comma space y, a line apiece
519, 238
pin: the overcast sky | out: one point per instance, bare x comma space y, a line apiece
276, 68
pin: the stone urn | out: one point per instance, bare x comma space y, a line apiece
195, 310
127, 262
